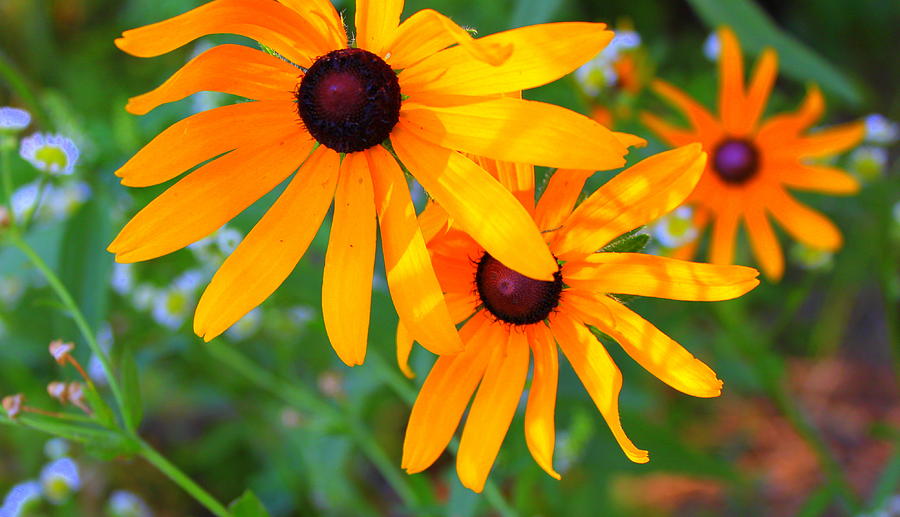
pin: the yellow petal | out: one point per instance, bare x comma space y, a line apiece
829, 141
660, 277
518, 178
492, 410
636, 196
652, 349
517, 130
724, 234
478, 204
209, 197
433, 221
233, 69
759, 90
540, 430
267, 22
819, 178
541, 54
206, 135
323, 16
803, 223
268, 254
446, 393
414, 287
404, 348
600, 376
558, 199
349, 262
376, 23
764, 243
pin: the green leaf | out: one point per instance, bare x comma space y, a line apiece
248, 506
102, 413
114, 446
134, 409
631, 242
756, 31
532, 12
65, 429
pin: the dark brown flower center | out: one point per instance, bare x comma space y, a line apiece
736, 160
349, 100
513, 297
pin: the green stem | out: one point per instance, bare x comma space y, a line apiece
182, 480
6, 144
29, 216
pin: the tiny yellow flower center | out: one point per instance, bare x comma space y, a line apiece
54, 157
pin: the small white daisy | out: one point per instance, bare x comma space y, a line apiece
21, 498
868, 162
227, 239
881, 130
13, 120
123, 503
143, 296
50, 153
60, 480
172, 306
676, 228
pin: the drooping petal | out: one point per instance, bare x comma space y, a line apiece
660, 277
478, 204
208, 134
819, 178
636, 196
672, 135
559, 198
376, 23
350, 261
414, 287
427, 32
540, 429
233, 69
322, 15
599, 374
517, 130
731, 82
541, 54
707, 127
829, 141
267, 22
759, 90
724, 233
268, 254
656, 352
492, 410
803, 223
446, 393
764, 243
209, 197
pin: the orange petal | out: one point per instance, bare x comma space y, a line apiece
764, 243
660, 277
518, 178
819, 178
206, 135
376, 23
478, 204
267, 22
209, 197
404, 347
349, 261
759, 90
829, 141
636, 196
670, 134
323, 16
414, 287
731, 82
268, 254
599, 374
230, 69
492, 410
433, 221
787, 125
724, 234
540, 430
542, 54
559, 197
803, 223
701, 120
446, 393
517, 130
652, 349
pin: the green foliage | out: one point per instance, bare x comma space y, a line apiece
248, 505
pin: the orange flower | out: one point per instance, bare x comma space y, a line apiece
327, 110
507, 314
753, 163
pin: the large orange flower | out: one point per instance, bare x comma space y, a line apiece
753, 163
326, 111
507, 314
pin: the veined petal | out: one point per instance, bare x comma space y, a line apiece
478, 204
829, 141
652, 349
446, 393
540, 429
599, 374
660, 277
233, 69
803, 223
636, 196
209, 197
819, 178
268, 254
350, 262
541, 54
324, 17
759, 90
764, 243
427, 32
265, 21
206, 135
724, 233
731, 82
559, 198
492, 410
414, 287
517, 130
670, 134
707, 127
376, 23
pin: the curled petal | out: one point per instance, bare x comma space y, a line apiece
540, 430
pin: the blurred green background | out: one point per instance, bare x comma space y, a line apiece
238, 413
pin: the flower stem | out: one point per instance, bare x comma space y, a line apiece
181, 479
6, 144
29, 216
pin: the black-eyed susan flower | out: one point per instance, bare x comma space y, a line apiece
327, 111
753, 163
510, 318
